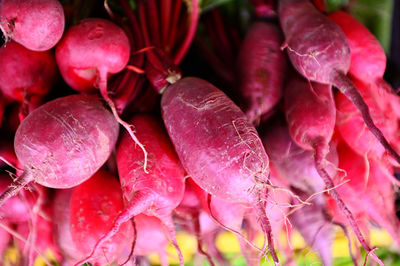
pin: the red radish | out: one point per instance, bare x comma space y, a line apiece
261, 66
15, 209
217, 145
310, 113
80, 136
94, 206
88, 53
156, 193
368, 59
62, 227
352, 129
319, 50
27, 75
36, 24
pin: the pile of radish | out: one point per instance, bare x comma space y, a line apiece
114, 137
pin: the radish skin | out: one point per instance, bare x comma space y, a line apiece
36, 24
94, 205
261, 66
217, 145
81, 134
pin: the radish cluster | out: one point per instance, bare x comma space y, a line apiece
303, 135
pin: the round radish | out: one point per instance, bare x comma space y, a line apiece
36, 24
63, 143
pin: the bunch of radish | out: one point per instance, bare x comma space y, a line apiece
109, 148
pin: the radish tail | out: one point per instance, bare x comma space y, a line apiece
347, 88
169, 223
140, 203
346, 233
266, 227
320, 151
16, 186
103, 90
196, 226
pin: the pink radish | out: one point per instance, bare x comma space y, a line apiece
36, 24
93, 207
80, 136
217, 145
156, 193
261, 67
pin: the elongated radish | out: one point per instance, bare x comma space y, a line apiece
310, 112
98, 199
261, 66
156, 193
36, 24
80, 136
88, 53
319, 50
217, 145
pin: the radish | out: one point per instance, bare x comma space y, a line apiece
93, 207
319, 50
217, 145
88, 53
368, 59
36, 24
261, 67
27, 76
156, 193
310, 113
80, 136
